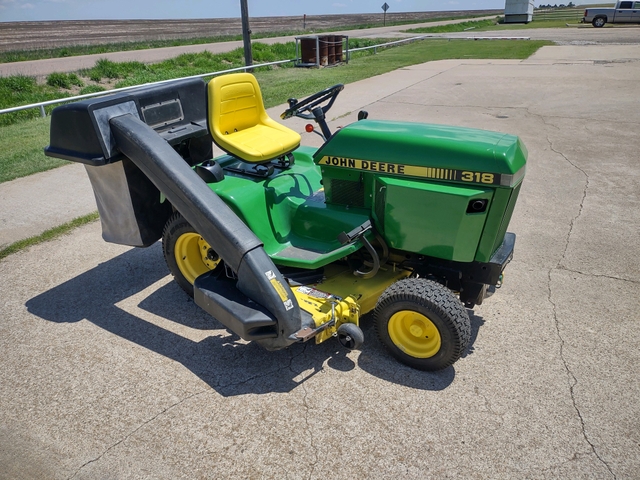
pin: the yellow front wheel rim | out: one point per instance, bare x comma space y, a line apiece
194, 256
414, 334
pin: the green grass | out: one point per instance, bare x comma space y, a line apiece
457, 27
134, 73
48, 235
22, 149
64, 80
534, 24
22, 90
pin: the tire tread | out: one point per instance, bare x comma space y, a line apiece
432, 296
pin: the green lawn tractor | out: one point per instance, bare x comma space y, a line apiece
283, 243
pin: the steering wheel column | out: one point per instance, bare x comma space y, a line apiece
321, 120
312, 108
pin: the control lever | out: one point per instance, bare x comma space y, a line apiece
358, 234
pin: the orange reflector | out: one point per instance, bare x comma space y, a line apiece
308, 127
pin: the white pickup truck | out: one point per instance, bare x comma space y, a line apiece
624, 12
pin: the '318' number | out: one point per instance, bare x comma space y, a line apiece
477, 177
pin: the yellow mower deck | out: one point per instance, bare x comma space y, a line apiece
343, 297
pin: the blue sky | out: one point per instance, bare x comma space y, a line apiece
21, 10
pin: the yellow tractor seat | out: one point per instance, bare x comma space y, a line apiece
239, 124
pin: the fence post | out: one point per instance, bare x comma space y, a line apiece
42, 112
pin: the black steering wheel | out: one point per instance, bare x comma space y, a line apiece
297, 108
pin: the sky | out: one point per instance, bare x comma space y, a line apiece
29, 10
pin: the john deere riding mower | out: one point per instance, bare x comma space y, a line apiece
284, 243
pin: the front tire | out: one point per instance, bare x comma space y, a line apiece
422, 324
599, 22
187, 254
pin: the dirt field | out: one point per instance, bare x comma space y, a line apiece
34, 35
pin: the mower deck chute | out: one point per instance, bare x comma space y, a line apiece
258, 278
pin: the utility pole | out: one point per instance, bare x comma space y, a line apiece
246, 33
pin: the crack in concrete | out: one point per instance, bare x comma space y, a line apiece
560, 265
544, 120
488, 405
289, 366
619, 60
580, 208
310, 433
306, 416
608, 120
143, 424
574, 458
573, 381
597, 275
221, 386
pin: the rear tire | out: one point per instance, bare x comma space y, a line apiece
422, 324
187, 254
599, 22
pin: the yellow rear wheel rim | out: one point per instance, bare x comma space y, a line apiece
414, 334
194, 256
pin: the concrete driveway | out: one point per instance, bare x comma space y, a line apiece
109, 371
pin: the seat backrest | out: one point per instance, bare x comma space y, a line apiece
240, 125
235, 103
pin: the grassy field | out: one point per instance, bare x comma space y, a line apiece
458, 27
23, 142
22, 149
70, 51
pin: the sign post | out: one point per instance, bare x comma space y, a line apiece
385, 7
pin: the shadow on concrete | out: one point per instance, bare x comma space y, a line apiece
228, 364
476, 322
376, 361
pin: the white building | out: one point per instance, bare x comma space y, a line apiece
518, 11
